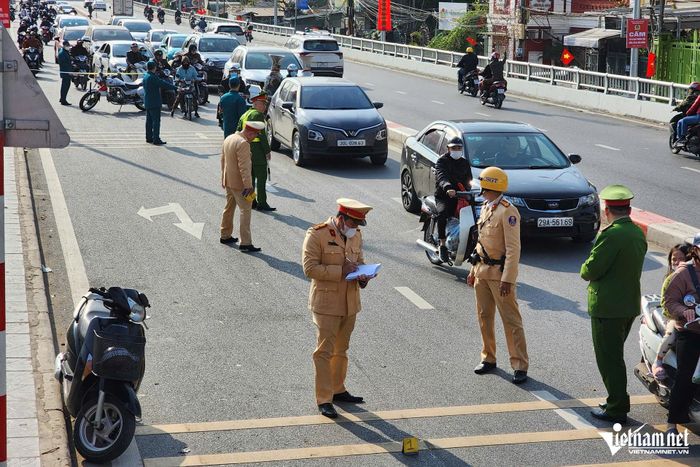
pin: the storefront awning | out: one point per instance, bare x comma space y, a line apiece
590, 38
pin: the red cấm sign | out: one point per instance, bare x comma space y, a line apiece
637, 33
5, 13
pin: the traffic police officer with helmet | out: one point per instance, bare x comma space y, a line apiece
494, 274
331, 251
614, 269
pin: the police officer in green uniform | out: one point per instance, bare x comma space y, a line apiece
260, 150
614, 269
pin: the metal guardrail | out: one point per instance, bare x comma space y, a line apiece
606, 83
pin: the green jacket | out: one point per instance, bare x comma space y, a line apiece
614, 269
233, 106
259, 147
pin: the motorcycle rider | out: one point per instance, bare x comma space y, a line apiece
133, 57
32, 40
467, 64
235, 73
685, 281
178, 15
692, 117
161, 14
147, 9
78, 49
273, 80
161, 62
451, 170
186, 72
693, 93
292, 70
492, 72
202, 24
193, 55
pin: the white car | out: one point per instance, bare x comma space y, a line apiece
114, 20
228, 28
317, 51
155, 37
63, 21
137, 27
255, 63
112, 55
65, 8
99, 5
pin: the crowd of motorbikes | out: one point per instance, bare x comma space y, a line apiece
491, 92
35, 29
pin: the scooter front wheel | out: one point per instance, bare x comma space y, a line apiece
671, 144
112, 438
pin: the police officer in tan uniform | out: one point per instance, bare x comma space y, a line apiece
332, 250
494, 274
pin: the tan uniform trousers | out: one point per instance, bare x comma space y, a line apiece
331, 354
488, 298
235, 199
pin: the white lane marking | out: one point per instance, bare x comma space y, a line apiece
369, 84
398, 200
414, 298
482, 114
438, 102
75, 267
201, 136
400, 92
568, 415
692, 169
270, 188
607, 147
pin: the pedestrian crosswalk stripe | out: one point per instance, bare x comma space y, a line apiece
402, 414
347, 450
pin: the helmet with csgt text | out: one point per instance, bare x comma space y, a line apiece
694, 86
494, 179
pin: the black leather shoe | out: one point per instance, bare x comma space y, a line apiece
484, 367
327, 410
601, 414
519, 377
66, 103
266, 208
159, 142
228, 241
249, 248
603, 405
347, 397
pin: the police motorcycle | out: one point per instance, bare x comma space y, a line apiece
495, 94
101, 370
133, 73
470, 83
651, 332
462, 233
115, 90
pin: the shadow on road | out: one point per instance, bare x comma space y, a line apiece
292, 221
188, 153
351, 168
284, 193
288, 267
541, 299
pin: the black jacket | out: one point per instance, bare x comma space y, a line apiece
449, 172
494, 70
469, 62
78, 50
133, 58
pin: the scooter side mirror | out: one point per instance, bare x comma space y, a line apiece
574, 158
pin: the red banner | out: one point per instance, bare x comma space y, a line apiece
5, 13
566, 57
637, 33
384, 16
651, 65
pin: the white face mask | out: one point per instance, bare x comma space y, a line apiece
456, 154
349, 232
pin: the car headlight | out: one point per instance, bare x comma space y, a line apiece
588, 200
515, 201
381, 135
315, 135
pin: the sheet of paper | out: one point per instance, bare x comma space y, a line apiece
369, 270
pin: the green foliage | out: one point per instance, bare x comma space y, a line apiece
417, 38
472, 24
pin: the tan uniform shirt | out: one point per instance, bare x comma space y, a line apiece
236, 163
324, 253
499, 235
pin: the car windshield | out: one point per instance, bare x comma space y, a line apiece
513, 151
321, 46
177, 41
137, 26
73, 34
157, 36
120, 50
223, 44
262, 60
73, 22
233, 29
105, 35
334, 98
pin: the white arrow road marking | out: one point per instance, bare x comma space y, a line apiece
270, 188
416, 299
193, 228
607, 147
569, 415
691, 169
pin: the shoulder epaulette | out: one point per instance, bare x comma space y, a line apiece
505, 203
319, 226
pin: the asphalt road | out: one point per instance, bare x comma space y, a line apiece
231, 338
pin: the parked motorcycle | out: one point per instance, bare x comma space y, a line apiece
101, 370
462, 233
470, 83
81, 67
33, 59
116, 91
495, 94
692, 144
651, 332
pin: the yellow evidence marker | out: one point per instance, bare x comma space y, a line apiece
410, 446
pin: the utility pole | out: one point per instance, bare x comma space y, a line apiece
634, 52
351, 17
274, 12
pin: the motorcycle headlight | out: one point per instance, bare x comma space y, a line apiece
315, 135
515, 201
588, 200
381, 135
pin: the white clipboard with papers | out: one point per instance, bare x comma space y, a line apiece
369, 270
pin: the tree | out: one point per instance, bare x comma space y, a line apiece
472, 24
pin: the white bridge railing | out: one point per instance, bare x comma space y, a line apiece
620, 85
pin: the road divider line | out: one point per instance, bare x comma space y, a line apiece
369, 84
400, 92
605, 146
438, 102
401, 414
568, 415
482, 114
348, 450
691, 169
414, 298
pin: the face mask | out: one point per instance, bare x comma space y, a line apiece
456, 154
349, 232
234, 75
